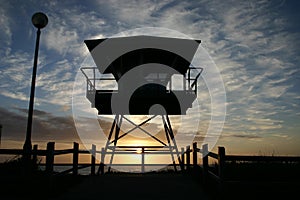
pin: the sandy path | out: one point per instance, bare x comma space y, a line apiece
136, 186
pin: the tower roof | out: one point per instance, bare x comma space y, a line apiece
121, 54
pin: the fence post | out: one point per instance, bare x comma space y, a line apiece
188, 160
93, 160
182, 159
221, 161
50, 158
34, 156
102, 161
75, 158
143, 160
195, 150
205, 162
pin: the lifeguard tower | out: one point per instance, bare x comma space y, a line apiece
143, 68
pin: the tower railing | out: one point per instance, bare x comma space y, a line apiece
92, 79
192, 81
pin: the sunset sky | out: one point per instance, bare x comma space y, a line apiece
254, 44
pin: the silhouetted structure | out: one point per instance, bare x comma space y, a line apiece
143, 68
151, 82
39, 20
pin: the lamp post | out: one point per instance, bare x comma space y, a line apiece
39, 20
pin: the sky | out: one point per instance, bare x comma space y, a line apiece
254, 45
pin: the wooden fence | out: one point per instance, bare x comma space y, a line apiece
221, 161
189, 159
50, 152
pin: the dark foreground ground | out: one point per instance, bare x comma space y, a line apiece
112, 186
140, 186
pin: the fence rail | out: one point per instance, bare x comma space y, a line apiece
50, 152
189, 157
219, 174
11, 151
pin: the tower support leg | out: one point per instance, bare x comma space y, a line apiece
171, 139
115, 128
117, 132
114, 136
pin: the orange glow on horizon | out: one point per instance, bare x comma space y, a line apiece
139, 150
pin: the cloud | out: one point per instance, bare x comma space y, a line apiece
15, 67
133, 12
15, 75
6, 33
46, 126
61, 39
254, 45
53, 85
245, 136
15, 95
69, 27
